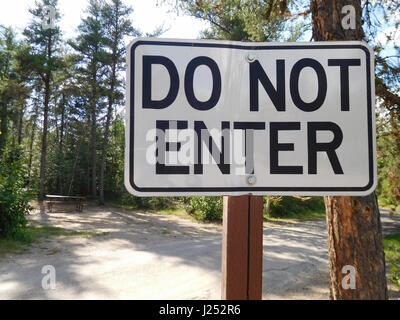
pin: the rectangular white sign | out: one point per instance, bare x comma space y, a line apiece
232, 118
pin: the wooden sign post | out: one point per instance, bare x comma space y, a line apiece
242, 248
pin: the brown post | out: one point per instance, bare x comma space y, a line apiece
242, 248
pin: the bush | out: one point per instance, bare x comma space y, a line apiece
151, 203
386, 197
204, 208
391, 244
395, 275
290, 206
13, 201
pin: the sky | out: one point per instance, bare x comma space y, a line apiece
147, 16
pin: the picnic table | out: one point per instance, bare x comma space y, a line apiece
52, 199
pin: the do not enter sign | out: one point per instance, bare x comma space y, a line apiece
231, 118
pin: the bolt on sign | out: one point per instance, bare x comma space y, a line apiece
232, 118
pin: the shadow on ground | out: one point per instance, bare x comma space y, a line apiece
153, 256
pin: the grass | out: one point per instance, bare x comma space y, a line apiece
297, 217
53, 252
296, 214
174, 211
311, 215
35, 234
393, 209
181, 212
388, 204
12, 246
392, 248
391, 245
295, 209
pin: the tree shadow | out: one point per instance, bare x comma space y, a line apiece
136, 255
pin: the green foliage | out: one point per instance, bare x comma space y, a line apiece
43, 56
204, 208
391, 245
245, 20
86, 88
395, 275
13, 91
36, 234
388, 150
114, 178
149, 203
291, 207
13, 202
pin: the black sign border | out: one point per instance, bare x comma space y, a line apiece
204, 190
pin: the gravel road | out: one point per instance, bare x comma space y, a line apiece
154, 256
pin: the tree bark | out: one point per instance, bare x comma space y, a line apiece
31, 141
108, 120
93, 142
117, 32
94, 100
47, 93
20, 123
353, 223
3, 126
355, 239
61, 147
88, 153
42, 176
105, 147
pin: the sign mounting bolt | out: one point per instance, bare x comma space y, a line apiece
250, 57
251, 180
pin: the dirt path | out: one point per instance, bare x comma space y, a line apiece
154, 256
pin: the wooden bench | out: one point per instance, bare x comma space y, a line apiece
53, 199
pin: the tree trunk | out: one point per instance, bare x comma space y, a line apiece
42, 176
93, 135
94, 156
3, 126
104, 149
61, 147
20, 124
47, 93
353, 223
88, 153
107, 128
31, 141
355, 239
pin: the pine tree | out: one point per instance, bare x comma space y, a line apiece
89, 46
7, 82
242, 20
117, 25
42, 61
14, 91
